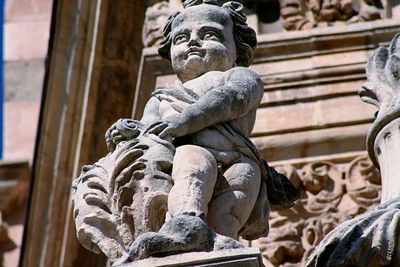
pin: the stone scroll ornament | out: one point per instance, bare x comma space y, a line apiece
372, 239
186, 177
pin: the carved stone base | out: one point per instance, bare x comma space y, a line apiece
246, 257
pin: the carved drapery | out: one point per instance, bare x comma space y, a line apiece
332, 192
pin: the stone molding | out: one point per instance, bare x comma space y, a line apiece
249, 257
289, 15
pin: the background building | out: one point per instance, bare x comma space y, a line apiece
26, 34
103, 65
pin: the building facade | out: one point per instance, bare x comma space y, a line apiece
311, 125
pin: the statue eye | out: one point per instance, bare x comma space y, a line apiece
180, 38
211, 35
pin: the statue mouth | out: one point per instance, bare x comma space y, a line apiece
194, 51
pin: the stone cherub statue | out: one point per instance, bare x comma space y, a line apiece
186, 177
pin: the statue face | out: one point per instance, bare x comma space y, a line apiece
202, 41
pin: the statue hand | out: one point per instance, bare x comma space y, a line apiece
122, 130
168, 128
112, 137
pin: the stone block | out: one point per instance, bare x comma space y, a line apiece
18, 44
247, 257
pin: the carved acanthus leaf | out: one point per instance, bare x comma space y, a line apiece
382, 89
116, 198
383, 73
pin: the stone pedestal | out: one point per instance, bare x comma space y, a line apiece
247, 257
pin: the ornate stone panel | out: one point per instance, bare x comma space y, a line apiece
333, 190
306, 14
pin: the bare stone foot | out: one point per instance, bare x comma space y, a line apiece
180, 234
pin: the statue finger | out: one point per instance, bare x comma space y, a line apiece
150, 128
157, 129
166, 134
115, 133
110, 146
118, 139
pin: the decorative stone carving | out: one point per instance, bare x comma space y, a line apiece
332, 192
156, 16
296, 14
372, 238
186, 177
302, 14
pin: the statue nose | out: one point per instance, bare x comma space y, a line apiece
194, 40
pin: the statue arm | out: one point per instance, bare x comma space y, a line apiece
151, 113
241, 93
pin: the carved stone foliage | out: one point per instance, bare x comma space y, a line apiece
306, 14
124, 194
382, 90
332, 192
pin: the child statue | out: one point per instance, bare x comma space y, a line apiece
218, 182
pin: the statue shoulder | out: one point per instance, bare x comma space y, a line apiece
242, 74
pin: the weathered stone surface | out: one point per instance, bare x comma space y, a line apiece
280, 15
156, 16
333, 190
190, 151
303, 15
24, 80
182, 233
372, 239
57, 244
245, 257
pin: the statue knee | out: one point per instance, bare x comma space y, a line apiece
194, 161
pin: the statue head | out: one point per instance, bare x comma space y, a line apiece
207, 36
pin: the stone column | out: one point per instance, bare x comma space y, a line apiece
372, 239
382, 90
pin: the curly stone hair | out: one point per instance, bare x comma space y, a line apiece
245, 36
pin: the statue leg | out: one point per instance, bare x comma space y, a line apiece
229, 210
194, 173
